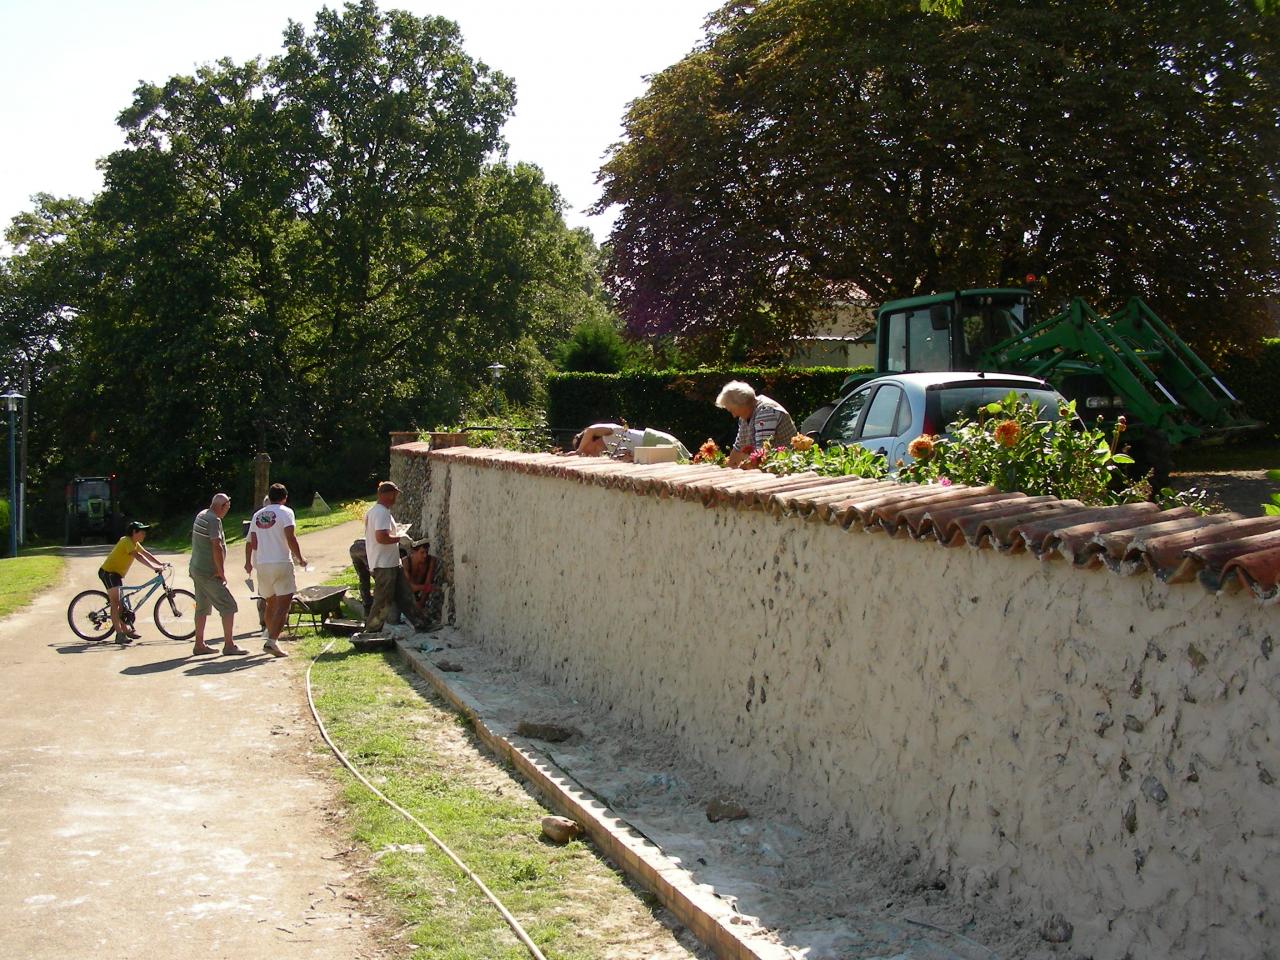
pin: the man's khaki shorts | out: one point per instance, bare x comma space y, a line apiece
212, 593
276, 580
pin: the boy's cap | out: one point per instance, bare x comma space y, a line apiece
139, 525
388, 485
419, 543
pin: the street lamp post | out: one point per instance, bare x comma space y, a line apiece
496, 370
11, 401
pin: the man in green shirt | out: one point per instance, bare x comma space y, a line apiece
208, 573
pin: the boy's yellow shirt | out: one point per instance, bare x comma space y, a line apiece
121, 557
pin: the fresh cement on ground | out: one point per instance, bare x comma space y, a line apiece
818, 894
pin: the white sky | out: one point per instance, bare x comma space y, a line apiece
68, 67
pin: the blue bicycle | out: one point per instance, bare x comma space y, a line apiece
89, 613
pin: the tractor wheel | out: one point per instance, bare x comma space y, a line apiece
1152, 454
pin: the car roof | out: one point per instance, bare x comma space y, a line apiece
957, 377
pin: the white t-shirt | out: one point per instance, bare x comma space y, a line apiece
381, 555
269, 524
622, 439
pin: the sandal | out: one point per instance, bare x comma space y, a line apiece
234, 651
202, 649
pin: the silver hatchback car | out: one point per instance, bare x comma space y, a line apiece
886, 414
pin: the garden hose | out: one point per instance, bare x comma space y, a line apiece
512, 922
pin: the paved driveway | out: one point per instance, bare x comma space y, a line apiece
156, 805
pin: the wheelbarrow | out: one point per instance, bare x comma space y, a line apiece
319, 604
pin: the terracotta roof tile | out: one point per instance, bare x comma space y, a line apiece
1121, 550
1077, 542
798, 500
1222, 551
1208, 560
1258, 571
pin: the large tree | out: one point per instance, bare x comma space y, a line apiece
327, 243
813, 146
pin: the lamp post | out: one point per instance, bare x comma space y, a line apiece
11, 401
496, 370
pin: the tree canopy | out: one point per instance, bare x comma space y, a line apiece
319, 247
809, 148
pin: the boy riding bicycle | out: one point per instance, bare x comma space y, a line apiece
117, 565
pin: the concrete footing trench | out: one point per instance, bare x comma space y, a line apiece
998, 742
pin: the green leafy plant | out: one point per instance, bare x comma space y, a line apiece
1009, 448
835, 461
1197, 499
515, 428
1272, 507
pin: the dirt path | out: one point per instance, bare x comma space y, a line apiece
1244, 491
156, 805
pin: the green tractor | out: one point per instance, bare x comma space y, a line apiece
1129, 363
93, 509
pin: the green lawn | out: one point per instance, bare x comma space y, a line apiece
423, 756
23, 577
174, 534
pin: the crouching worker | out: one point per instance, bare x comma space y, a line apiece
382, 546
420, 570
115, 567
619, 441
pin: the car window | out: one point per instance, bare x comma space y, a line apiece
843, 422
904, 415
882, 414
965, 401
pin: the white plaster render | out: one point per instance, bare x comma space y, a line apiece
1070, 742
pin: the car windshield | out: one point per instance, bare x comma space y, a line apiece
964, 400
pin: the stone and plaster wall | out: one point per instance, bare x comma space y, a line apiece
410, 475
1056, 741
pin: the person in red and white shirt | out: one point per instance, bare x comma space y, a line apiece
271, 535
759, 419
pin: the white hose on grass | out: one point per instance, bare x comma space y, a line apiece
512, 922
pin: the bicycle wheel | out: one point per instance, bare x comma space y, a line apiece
89, 615
176, 614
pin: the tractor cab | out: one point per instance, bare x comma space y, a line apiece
93, 509
948, 331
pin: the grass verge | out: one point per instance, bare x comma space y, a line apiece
422, 755
174, 535
22, 578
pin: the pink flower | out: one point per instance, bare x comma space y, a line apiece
944, 481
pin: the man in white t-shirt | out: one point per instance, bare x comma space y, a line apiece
271, 534
382, 547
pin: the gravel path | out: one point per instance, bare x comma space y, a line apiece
1244, 491
154, 805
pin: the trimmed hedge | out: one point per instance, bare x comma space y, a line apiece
682, 402
4, 527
